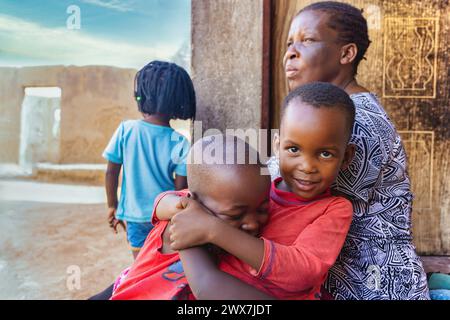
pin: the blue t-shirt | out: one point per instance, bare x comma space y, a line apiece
150, 155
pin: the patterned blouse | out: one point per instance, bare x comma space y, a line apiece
378, 260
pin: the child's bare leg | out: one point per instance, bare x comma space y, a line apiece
135, 253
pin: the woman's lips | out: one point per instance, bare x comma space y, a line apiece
291, 73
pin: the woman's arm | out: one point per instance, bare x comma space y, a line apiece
207, 282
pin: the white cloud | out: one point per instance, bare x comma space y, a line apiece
32, 41
117, 5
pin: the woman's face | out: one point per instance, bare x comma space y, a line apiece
313, 51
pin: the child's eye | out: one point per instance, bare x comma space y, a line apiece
308, 40
232, 216
292, 150
236, 218
326, 155
289, 44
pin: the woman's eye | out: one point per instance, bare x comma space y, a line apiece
326, 155
308, 40
289, 44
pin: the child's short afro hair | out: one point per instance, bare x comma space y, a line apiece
323, 94
166, 89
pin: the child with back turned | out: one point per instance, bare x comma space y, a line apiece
149, 152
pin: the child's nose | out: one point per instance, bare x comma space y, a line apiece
251, 225
307, 166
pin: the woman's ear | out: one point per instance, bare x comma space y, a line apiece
348, 53
348, 156
276, 144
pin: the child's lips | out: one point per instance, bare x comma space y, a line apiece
305, 185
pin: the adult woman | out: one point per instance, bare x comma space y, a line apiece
326, 42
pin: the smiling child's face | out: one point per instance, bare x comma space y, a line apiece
240, 197
312, 148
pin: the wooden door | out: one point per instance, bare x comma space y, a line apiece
408, 67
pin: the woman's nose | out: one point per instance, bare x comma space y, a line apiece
292, 52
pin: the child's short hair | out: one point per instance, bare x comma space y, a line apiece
166, 89
323, 94
219, 152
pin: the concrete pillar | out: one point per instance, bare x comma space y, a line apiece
227, 44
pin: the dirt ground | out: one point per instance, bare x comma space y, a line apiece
44, 245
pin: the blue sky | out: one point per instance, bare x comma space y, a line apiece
124, 33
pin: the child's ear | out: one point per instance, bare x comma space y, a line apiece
276, 144
193, 196
348, 53
348, 156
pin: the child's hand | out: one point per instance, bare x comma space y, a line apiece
113, 222
190, 227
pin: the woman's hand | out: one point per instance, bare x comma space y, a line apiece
192, 226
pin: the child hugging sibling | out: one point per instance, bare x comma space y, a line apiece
148, 150
284, 253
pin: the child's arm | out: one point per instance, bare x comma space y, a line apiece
207, 282
196, 226
168, 205
111, 185
304, 263
294, 267
169, 202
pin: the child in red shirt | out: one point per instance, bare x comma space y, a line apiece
157, 272
307, 225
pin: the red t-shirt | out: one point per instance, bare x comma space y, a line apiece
302, 240
154, 275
